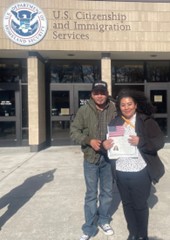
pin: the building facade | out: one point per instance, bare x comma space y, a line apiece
52, 51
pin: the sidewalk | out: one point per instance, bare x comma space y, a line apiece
42, 194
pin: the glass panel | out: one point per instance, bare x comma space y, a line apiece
128, 72
163, 124
83, 97
90, 73
74, 72
60, 103
117, 88
7, 103
7, 131
9, 71
24, 106
158, 71
60, 132
159, 99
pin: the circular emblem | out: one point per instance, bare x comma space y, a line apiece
25, 24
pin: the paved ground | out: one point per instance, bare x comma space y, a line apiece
41, 197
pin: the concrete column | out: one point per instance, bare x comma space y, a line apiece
36, 103
106, 70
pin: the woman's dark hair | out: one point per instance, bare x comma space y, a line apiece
143, 105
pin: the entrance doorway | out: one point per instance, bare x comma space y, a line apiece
65, 99
159, 94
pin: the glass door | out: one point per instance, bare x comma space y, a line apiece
10, 134
81, 95
159, 94
65, 99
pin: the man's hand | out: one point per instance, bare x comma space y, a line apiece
107, 144
95, 144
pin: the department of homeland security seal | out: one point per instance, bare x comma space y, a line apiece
25, 24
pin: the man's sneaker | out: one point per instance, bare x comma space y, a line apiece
107, 229
85, 237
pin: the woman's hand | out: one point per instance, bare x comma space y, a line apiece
107, 144
133, 140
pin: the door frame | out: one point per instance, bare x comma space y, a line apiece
16, 119
73, 89
166, 87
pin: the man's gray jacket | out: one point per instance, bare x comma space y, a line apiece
85, 127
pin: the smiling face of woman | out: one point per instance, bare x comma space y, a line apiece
128, 107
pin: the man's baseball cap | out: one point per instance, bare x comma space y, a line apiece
99, 86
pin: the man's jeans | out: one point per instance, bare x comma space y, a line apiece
97, 177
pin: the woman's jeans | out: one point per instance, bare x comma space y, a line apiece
98, 177
134, 188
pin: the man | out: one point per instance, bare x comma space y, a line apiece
89, 129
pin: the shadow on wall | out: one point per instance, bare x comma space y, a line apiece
20, 195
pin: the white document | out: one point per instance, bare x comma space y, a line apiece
121, 148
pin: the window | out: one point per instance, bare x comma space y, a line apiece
7, 103
127, 72
158, 71
74, 71
10, 71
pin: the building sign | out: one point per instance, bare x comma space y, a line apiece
157, 1
80, 24
25, 24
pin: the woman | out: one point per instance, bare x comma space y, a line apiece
136, 174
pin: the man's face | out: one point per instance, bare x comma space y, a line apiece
99, 97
